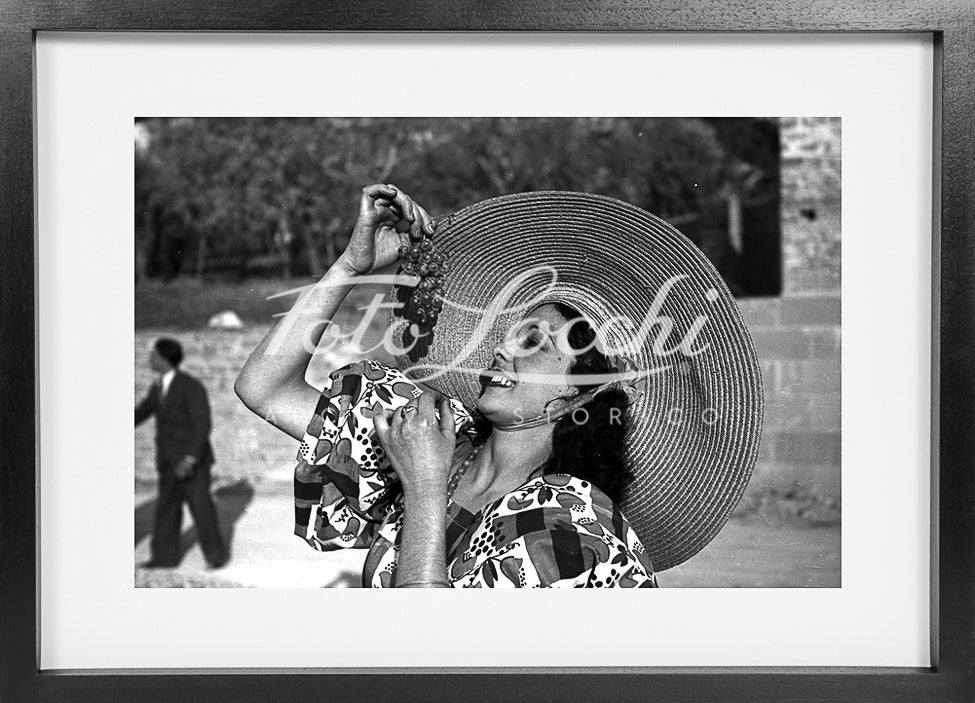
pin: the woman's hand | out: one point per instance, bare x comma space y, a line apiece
272, 382
419, 447
388, 218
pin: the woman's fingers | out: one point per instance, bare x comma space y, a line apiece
424, 221
415, 217
372, 195
403, 205
416, 227
425, 407
386, 214
397, 209
379, 190
447, 417
403, 202
416, 416
381, 423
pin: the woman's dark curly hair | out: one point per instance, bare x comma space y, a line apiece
594, 449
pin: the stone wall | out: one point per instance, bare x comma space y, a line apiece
798, 335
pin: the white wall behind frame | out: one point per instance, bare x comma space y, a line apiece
91, 86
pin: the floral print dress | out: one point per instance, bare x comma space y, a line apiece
552, 531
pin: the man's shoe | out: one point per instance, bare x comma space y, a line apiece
218, 564
157, 564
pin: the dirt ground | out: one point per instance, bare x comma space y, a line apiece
774, 540
748, 553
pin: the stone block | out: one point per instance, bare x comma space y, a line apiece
820, 480
787, 415
811, 245
811, 310
826, 343
781, 344
770, 377
808, 448
760, 313
826, 412
766, 450
798, 281
809, 378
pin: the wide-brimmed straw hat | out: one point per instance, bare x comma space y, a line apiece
696, 393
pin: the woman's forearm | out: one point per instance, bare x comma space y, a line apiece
422, 558
282, 357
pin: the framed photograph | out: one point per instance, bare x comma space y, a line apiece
743, 226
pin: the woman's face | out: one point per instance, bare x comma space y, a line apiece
530, 369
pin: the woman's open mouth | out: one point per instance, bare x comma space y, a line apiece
496, 378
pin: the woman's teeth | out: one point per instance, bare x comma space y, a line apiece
502, 381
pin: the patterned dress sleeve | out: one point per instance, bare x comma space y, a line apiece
342, 482
555, 532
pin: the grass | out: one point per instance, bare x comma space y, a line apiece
187, 303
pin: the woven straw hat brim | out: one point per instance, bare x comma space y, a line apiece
695, 428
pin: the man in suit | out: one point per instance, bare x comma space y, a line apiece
183, 458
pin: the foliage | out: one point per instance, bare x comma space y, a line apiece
280, 194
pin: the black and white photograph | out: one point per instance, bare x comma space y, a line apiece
487, 352
514, 297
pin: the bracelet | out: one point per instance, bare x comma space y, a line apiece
420, 584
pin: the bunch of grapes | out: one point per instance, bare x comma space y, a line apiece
422, 259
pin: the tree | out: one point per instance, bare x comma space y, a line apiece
280, 194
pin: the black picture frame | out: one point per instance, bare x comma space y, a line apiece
951, 23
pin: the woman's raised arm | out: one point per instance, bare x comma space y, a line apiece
272, 381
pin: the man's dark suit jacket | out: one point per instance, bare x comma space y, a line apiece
182, 420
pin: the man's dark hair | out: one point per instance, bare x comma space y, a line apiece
170, 350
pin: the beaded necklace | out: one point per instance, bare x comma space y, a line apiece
460, 471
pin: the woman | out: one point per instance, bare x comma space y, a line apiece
532, 489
